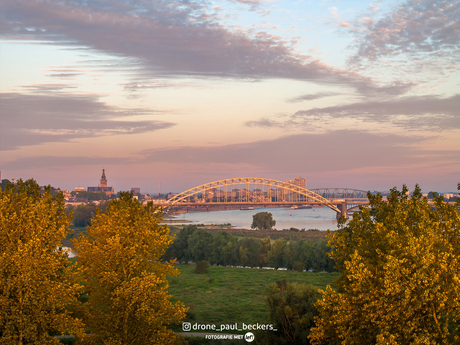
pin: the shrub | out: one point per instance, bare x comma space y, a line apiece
201, 267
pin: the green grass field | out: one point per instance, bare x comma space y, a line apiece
229, 295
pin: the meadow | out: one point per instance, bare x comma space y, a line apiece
232, 294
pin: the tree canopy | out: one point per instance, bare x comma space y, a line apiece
400, 275
263, 221
126, 281
291, 310
34, 289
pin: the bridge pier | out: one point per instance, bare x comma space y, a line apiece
342, 206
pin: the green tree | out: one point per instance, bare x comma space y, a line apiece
4, 183
264, 249
200, 245
224, 248
263, 221
93, 196
83, 214
34, 289
432, 195
400, 275
291, 311
125, 279
320, 260
250, 247
179, 248
276, 254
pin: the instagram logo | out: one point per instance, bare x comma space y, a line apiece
186, 326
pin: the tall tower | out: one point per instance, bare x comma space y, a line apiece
103, 179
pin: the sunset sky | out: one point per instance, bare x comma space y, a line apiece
357, 94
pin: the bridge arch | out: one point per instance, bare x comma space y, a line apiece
245, 194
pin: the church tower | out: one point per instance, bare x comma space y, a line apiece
103, 179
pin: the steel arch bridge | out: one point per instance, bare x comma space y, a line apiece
340, 193
253, 191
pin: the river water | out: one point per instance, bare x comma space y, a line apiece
320, 218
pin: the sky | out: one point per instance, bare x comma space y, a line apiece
169, 95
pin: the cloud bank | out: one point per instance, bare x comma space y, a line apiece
179, 38
34, 119
416, 113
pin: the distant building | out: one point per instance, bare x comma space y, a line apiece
79, 189
102, 186
136, 190
66, 194
298, 181
301, 182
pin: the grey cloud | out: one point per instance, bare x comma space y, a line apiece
427, 111
178, 38
33, 119
264, 123
64, 75
334, 151
311, 97
415, 26
49, 87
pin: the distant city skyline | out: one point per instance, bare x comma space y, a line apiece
345, 93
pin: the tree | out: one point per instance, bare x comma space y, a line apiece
320, 260
291, 311
200, 245
224, 248
432, 195
179, 248
263, 221
125, 279
276, 254
400, 272
83, 214
93, 196
34, 289
249, 249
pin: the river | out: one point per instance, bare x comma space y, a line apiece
320, 218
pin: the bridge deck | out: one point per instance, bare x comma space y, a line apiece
279, 203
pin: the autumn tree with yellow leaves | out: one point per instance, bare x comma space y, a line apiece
125, 279
34, 289
400, 275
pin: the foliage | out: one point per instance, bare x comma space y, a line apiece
291, 311
83, 214
4, 183
92, 196
126, 282
200, 245
320, 260
201, 267
34, 289
262, 221
225, 249
179, 248
276, 255
400, 272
